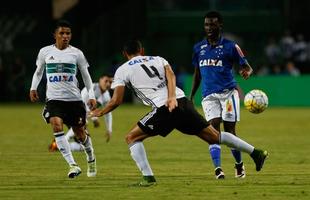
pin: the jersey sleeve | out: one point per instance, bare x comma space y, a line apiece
81, 60
238, 55
120, 78
164, 61
37, 76
84, 95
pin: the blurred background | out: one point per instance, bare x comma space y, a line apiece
274, 36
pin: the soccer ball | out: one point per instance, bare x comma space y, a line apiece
256, 101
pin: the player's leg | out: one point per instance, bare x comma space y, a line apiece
53, 113
64, 147
212, 110
191, 122
212, 136
86, 143
70, 134
239, 166
62, 143
134, 140
215, 151
77, 120
231, 114
74, 145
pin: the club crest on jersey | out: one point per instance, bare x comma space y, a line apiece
60, 78
211, 62
59, 68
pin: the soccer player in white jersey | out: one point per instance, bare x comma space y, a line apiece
213, 58
64, 104
102, 95
153, 81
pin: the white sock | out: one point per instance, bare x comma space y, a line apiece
64, 147
88, 149
74, 146
69, 134
138, 154
232, 141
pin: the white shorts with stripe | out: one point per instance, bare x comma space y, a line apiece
224, 105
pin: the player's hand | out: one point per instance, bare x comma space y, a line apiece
246, 73
171, 103
92, 104
95, 113
108, 136
34, 96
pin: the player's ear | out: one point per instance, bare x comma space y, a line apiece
221, 26
125, 54
142, 51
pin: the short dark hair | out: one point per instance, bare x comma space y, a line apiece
132, 47
214, 14
106, 74
62, 23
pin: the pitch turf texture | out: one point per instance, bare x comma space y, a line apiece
181, 163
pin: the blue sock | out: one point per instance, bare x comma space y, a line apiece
215, 152
237, 155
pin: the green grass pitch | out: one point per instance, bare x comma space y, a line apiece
181, 163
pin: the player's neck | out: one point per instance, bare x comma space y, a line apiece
132, 56
61, 46
102, 91
214, 41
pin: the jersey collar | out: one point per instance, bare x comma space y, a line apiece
220, 41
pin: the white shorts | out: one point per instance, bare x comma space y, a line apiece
224, 105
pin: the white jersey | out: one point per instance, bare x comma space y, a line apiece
61, 67
101, 98
146, 76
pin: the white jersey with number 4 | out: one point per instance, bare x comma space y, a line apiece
145, 75
61, 67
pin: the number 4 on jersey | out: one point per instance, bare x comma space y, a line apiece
149, 73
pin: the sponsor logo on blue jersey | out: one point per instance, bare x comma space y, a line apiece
211, 62
142, 60
60, 78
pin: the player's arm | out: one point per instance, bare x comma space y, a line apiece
196, 82
37, 76
172, 102
108, 125
246, 70
117, 99
89, 85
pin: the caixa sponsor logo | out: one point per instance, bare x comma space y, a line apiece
60, 78
210, 62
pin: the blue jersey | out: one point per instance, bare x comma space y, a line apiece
216, 64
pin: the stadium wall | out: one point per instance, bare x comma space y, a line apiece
281, 90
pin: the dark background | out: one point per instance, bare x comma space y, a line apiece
168, 28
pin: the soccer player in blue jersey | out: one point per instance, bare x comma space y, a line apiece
213, 58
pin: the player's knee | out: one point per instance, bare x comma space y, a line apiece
79, 133
130, 138
210, 135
